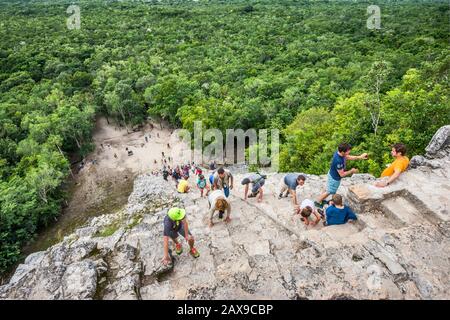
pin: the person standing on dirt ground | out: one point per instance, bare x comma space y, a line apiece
176, 223
146, 139
218, 201
168, 146
337, 171
101, 144
115, 155
165, 173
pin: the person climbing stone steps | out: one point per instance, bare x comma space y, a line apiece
218, 202
176, 223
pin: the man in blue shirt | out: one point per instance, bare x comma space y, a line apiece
337, 170
337, 213
290, 183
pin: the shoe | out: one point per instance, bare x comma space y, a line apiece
194, 253
179, 248
280, 196
221, 215
320, 205
320, 211
252, 195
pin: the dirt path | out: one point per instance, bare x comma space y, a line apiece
105, 182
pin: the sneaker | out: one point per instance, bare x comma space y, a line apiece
194, 253
320, 205
252, 195
179, 248
320, 211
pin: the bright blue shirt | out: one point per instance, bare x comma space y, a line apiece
339, 216
337, 163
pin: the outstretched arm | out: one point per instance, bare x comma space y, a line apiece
391, 179
317, 217
294, 197
344, 173
360, 157
228, 212
211, 213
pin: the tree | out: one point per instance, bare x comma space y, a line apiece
376, 77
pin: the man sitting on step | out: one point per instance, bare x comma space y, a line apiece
393, 171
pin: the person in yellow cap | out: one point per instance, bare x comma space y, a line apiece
175, 223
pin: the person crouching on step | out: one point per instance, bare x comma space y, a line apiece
257, 182
306, 208
218, 201
175, 223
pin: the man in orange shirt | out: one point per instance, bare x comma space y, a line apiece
399, 165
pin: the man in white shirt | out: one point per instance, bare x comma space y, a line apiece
218, 201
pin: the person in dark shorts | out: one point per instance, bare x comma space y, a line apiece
338, 213
338, 171
257, 182
175, 223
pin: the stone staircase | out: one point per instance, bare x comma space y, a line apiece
398, 249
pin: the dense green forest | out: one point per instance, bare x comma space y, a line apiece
309, 68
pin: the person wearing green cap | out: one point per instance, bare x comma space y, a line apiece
175, 223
